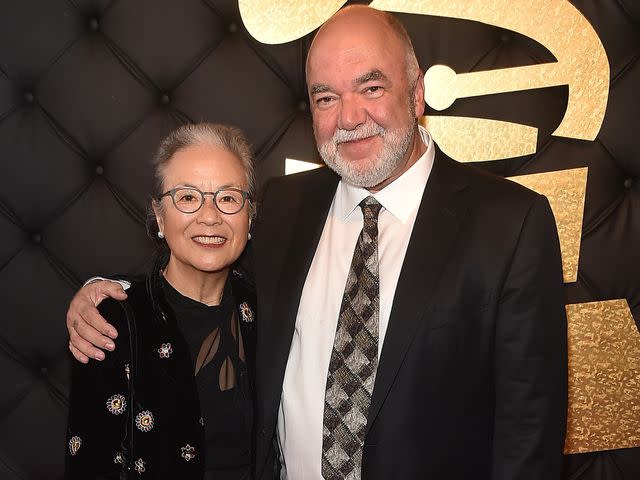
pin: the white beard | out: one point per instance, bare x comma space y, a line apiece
396, 144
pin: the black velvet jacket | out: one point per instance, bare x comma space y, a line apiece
165, 420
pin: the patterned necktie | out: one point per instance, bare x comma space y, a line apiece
354, 359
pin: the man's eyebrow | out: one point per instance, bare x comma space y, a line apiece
370, 76
220, 187
319, 88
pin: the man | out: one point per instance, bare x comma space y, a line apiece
455, 364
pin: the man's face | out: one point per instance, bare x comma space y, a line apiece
363, 104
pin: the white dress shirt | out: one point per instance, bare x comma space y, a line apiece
302, 403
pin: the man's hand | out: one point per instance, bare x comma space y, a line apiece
87, 328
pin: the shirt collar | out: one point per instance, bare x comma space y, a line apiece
401, 197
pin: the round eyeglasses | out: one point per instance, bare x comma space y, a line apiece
191, 199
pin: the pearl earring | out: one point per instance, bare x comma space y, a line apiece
249, 236
160, 235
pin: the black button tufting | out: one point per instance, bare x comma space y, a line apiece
505, 37
36, 237
94, 25
233, 27
164, 99
44, 370
99, 169
28, 97
628, 183
302, 106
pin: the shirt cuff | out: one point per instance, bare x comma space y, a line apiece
125, 285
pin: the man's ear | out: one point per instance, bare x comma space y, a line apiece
418, 95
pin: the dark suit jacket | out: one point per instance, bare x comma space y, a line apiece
472, 378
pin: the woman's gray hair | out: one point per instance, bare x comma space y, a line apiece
230, 138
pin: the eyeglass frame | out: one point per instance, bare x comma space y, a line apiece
245, 196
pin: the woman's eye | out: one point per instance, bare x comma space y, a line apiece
228, 199
186, 197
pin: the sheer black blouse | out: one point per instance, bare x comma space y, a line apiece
218, 356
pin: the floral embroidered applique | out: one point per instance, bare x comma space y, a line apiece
188, 452
140, 466
75, 443
144, 420
116, 404
165, 350
246, 313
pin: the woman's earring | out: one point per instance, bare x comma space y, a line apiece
249, 236
160, 235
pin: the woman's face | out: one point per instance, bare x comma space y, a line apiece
207, 240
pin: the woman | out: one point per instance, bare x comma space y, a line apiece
174, 400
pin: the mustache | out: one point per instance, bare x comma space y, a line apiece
363, 131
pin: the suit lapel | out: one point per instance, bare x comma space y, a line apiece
305, 235
436, 227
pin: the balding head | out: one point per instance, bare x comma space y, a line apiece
384, 23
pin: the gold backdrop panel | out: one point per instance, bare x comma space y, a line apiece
565, 190
282, 21
604, 377
478, 139
443, 85
556, 24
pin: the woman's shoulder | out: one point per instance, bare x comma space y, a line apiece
116, 311
242, 283
244, 293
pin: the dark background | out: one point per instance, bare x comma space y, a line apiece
89, 87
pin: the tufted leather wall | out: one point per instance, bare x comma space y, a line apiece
87, 89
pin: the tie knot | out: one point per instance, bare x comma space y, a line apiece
370, 209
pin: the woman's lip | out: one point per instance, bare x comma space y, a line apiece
210, 241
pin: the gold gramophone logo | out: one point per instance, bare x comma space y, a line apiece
604, 343
556, 24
